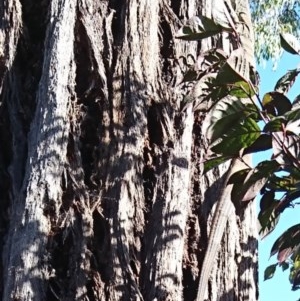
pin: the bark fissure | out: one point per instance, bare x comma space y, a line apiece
100, 170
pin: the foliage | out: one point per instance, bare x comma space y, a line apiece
278, 17
237, 114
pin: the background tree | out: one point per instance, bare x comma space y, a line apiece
102, 193
277, 17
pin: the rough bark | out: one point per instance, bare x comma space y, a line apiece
103, 197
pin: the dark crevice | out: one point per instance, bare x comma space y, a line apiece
60, 247
5, 181
190, 286
17, 108
84, 74
35, 18
155, 130
62, 241
118, 21
89, 94
175, 5
195, 244
166, 49
100, 245
30, 55
86, 145
149, 179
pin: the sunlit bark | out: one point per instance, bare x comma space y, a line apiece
103, 197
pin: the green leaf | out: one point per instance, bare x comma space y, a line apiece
254, 181
240, 136
233, 70
226, 115
211, 59
284, 266
217, 92
293, 115
237, 179
190, 75
275, 125
294, 172
270, 271
284, 84
199, 28
283, 255
276, 103
268, 219
296, 258
241, 89
296, 102
200, 94
287, 241
254, 77
283, 183
293, 121
292, 195
239, 176
286, 148
267, 200
262, 143
289, 43
212, 163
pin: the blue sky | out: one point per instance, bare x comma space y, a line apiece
278, 288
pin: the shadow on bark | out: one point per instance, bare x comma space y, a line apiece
95, 167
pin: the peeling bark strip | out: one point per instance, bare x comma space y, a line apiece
103, 173
223, 210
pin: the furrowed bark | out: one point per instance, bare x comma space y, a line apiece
10, 27
41, 193
103, 193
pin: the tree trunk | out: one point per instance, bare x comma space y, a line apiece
102, 196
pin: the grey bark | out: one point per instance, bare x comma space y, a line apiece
103, 197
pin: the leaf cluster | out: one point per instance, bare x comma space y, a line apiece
240, 127
280, 16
